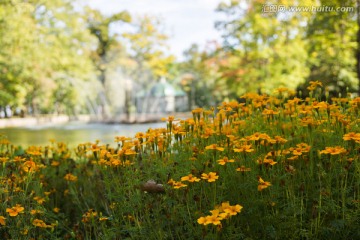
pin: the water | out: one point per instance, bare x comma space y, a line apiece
74, 133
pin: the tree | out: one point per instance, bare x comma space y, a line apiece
200, 74
332, 48
100, 26
42, 43
148, 49
265, 50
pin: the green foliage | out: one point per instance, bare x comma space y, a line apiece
41, 43
267, 50
148, 49
331, 49
264, 50
200, 72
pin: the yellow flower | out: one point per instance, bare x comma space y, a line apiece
40, 223
225, 160
101, 219
90, 214
40, 200
244, 148
269, 112
333, 150
202, 220
292, 158
243, 169
297, 151
213, 219
178, 185
175, 184
210, 177
304, 147
313, 85
35, 211
2, 220
29, 166
25, 231
55, 163
214, 147
190, 178
351, 136
130, 152
197, 110
14, 211
56, 210
121, 139
71, 178
233, 210
262, 184
256, 136
280, 140
269, 161
66, 192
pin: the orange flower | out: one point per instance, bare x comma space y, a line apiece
40, 223
269, 112
2, 220
121, 139
14, 211
202, 220
243, 169
40, 200
175, 184
29, 166
214, 218
293, 158
178, 185
256, 136
269, 161
351, 136
333, 150
71, 178
244, 148
225, 160
233, 210
130, 152
214, 147
197, 110
35, 211
280, 140
297, 151
55, 163
190, 178
210, 177
262, 184
313, 85
224, 211
304, 147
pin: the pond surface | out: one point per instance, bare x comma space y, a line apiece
74, 133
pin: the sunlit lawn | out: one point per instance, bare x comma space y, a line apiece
275, 167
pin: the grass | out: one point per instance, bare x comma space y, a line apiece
274, 167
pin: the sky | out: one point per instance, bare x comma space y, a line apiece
186, 21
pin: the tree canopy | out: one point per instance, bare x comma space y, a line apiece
57, 58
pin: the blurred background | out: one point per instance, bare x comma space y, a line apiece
137, 61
